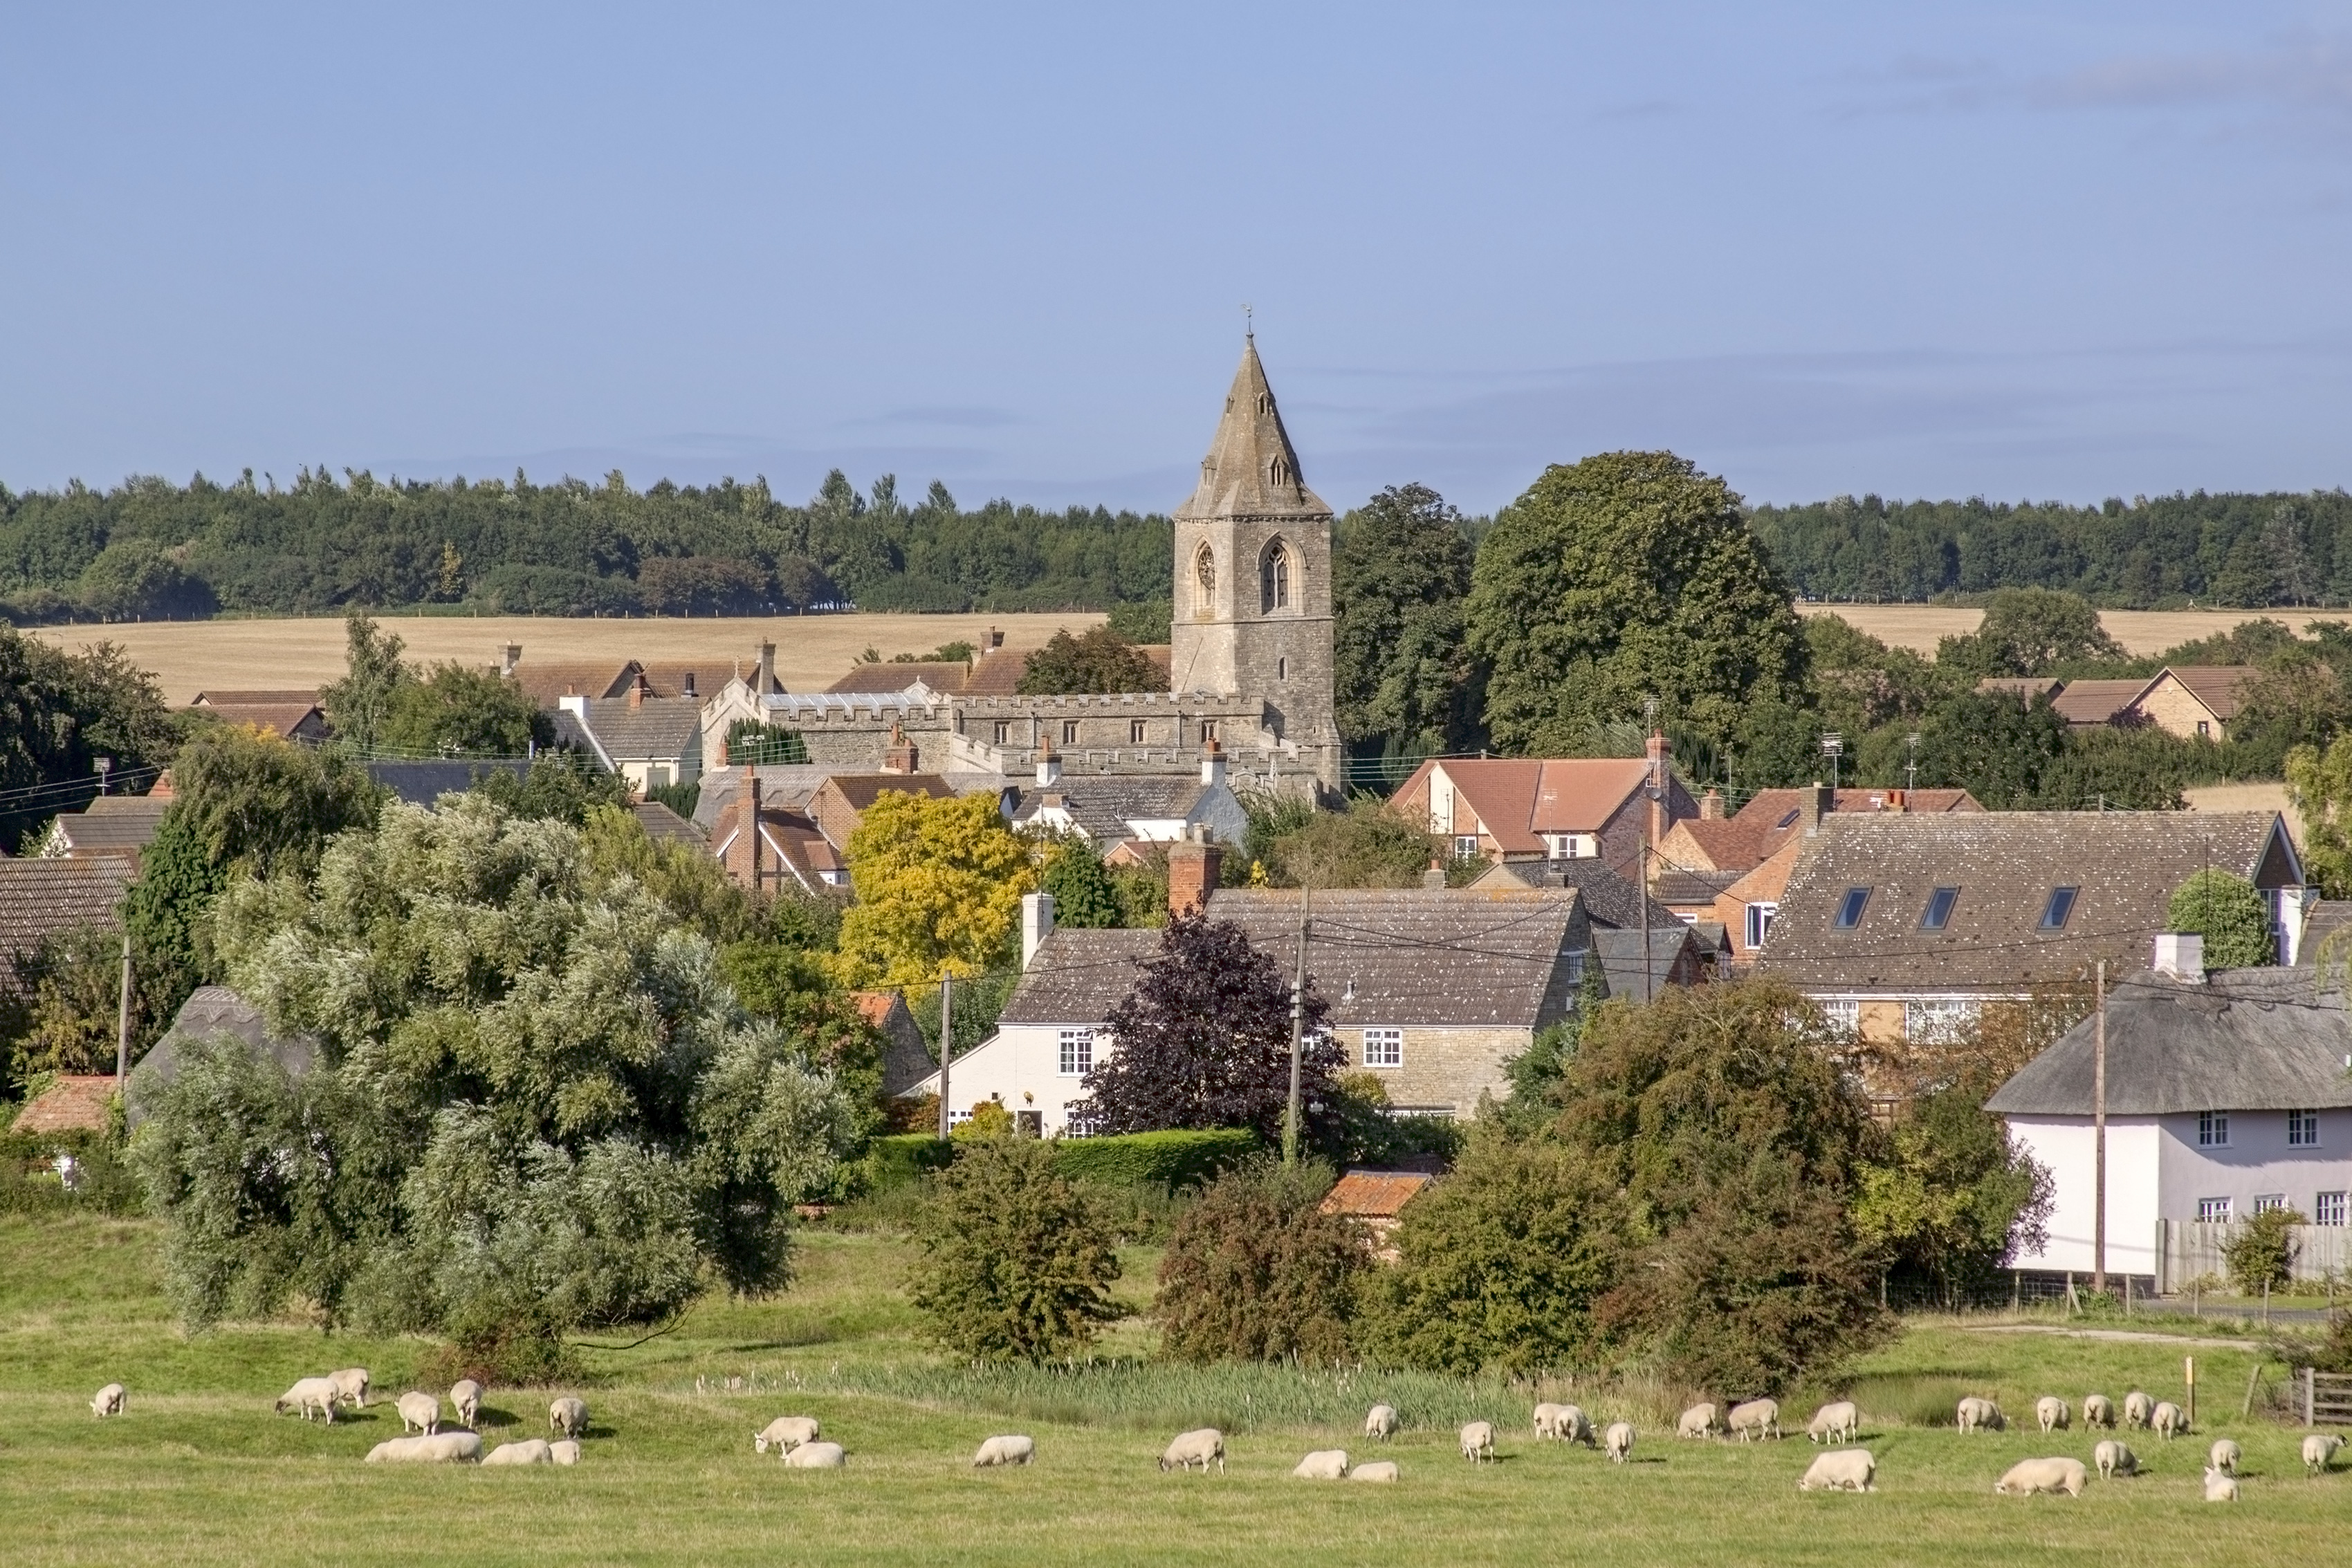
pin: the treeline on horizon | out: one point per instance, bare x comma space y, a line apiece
148, 548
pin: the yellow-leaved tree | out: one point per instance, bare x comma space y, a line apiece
939, 886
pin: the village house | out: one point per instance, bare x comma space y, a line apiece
2196, 702
1547, 809
2227, 1094
652, 742
1109, 810
289, 715
1905, 927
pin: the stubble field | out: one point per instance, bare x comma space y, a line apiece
198, 1471
1920, 627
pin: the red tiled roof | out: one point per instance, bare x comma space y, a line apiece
251, 698
874, 1006
280, 720
1517, 800
73, 1103
1374, 1194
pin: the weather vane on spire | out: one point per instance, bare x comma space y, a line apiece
1249, 323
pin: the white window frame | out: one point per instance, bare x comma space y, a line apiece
1845, 1015
2328, 1208
1383, 1047
1465, 846
2213, 1211
1759, 924
2266, 1201
2303, 1129
1936, 1018
2212, 1129
1078, 1053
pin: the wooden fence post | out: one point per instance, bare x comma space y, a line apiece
2310, 1399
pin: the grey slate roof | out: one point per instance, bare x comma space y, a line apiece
1609, 900
422, 783
658, 729
215, 1011
1104, 804
114, 825
2005, 863
664, 826
40, 898
2248, 1039
1675, 960
1078, 976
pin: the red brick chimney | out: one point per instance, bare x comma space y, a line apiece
901, 756
1193, 866
743, 854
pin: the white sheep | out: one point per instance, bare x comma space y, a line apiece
2028, 1477
1380, 1422
108, 1401
351, 1385
1981, 1415
530, 1451
2098, 1410
1698, 1421
1478, 1441
2169, 1419
2225, 1456
1323, 1465
1197, 1447
1548, 1423
1379, 1470
1838, 1423
310, 1394
1847, 1469
816, 1457
433, 1448
2137, 1409
785, 1433
1010, 1449
2317, 1450
569, 1416
564, 1451
2114, 1460
466, 1399
2220, 1487
1575, 1425
1617, 1441
2052, 1413
1758, 1417
421, 1412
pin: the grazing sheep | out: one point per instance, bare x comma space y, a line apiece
1192, 1449
1760, 1417
1379, 1471
108, 1401
2052, 1413
564, 1452
1575, 1425
2169, 1419
1698, 1421
1549, 1423
2317, 1450
351, 1385
2114, 1460
308, 1395
816, 1457
1848, 1469
2030, 1476
1380, 1422
1478, 1441
2137, 1408
530, 1451
2220, 1487
2225, 1456
1323, 1465
466, 1399
2098, 1410
786, 1433
1838, 1423
1005, 1450
1981, 1415
420, 1411
433, 1448
569, 1416
1619, 1441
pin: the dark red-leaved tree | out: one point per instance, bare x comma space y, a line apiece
1204, 1041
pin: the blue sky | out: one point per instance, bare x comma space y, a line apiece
2048, 250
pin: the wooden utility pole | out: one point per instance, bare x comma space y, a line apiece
122, 1021
1298, 1032
2099, 1140
947, 1044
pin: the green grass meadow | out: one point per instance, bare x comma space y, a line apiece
200, 1473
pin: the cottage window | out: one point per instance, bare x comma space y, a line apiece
1077, 1052
1938, 1020
2303, 1129
2212, 1129
1385, 1048
2267, 1202
1135, 732
957, 1118
2204, 729
1850, 908
2061, 906
1760, 923
1939, 912
1572, 965
1465, 846
2213, 1210
2328, 1208
1845, 1017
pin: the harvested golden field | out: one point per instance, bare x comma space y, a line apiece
812, 650
2141, 632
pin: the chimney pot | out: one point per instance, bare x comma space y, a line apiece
511, 656
768, 669
1193, 866
689, 689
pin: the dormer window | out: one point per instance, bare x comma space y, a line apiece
2054, 913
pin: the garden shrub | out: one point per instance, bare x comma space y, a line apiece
1256, 1271
1017, 1262
2262, 1253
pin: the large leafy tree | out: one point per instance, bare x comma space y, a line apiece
2029, 631
1100, 661
2319, 782
1626, 576
1017, 1262
2229, 913
939, 888
1256, 1271
1084, 894
1952, 1199
1402, 674
360, 705
1204, 1040
60, 713
461, 712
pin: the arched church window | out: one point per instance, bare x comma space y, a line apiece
1204, 576
1274, 579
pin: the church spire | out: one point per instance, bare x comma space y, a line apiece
1251, 470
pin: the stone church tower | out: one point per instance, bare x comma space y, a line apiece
1253, 590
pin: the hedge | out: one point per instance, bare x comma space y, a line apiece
1171, 1159
899, 1158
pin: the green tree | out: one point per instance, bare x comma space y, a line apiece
360, 705
2261, 1255
1401, 672
558, 786
1084, 895
1626, 576
138, 580
1017, 1262
60, 713
2229, 913
461, 712
2320, 784
938, 889
1100, 661
1954, 1199
1256, 1271
2028, 631
1367, 845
